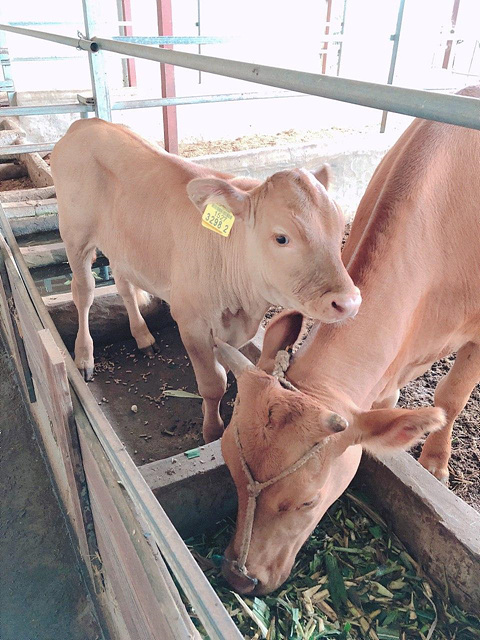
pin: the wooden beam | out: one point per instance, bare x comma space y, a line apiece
167, 74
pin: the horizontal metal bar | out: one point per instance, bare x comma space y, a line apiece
42, 110
46, 58
460, 110
17, 149
78, 23
145, 103
171, 39
221, 97
78, 43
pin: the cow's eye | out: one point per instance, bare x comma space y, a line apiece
308, 504
282, 240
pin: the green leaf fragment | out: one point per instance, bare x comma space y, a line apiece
192, 453
336, 586
180, 393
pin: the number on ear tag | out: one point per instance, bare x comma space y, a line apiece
218, 218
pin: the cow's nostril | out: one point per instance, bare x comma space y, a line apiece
337, 307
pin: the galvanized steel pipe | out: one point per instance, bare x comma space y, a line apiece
459, 110
78, 43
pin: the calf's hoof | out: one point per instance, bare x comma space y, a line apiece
151, 350
436, 468
210, 434
86, 371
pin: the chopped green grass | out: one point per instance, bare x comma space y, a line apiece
353, 579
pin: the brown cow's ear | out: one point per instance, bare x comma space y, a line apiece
202, 191
388, 429
324, 175
282, 332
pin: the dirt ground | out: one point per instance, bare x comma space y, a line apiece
42, 595
16, 183
465, 462
209, 147
161, 426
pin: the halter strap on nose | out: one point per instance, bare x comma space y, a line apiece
254, 488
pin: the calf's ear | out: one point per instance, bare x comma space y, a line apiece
282, 331
382, 430
202, 191
324, 175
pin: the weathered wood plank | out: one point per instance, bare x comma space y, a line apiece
145, 600
51, 384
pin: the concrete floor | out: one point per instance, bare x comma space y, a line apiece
42, 595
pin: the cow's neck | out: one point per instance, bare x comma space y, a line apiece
367, 358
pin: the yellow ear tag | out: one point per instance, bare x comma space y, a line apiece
218, 218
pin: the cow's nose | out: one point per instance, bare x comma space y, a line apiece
346, 305
240, 582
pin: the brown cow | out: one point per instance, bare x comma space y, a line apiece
140, 206
414, 251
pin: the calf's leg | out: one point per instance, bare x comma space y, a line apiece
138, 326
452, 394
210, 374
83, 288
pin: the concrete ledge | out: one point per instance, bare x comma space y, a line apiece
21, 195
33, 224
195, 493
441, 531
31, 208
44, 255
10, 171
108, 316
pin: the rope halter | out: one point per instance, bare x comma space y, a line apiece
254, 488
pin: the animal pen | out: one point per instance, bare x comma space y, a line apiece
128, 518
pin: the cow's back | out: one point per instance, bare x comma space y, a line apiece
428, 185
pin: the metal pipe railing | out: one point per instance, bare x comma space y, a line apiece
78, 43
458, 110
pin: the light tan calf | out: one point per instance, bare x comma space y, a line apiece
141, 206
414, 251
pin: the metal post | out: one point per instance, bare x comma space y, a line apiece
393, 61
327, 32
448, 48
342, 33
124, 11
167, 73
199, 33
97, 66
7, 83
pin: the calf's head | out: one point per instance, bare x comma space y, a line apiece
293, 233
277, 431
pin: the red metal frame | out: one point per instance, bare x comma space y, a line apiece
167, 73
448, 49
327, 31
128, 31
